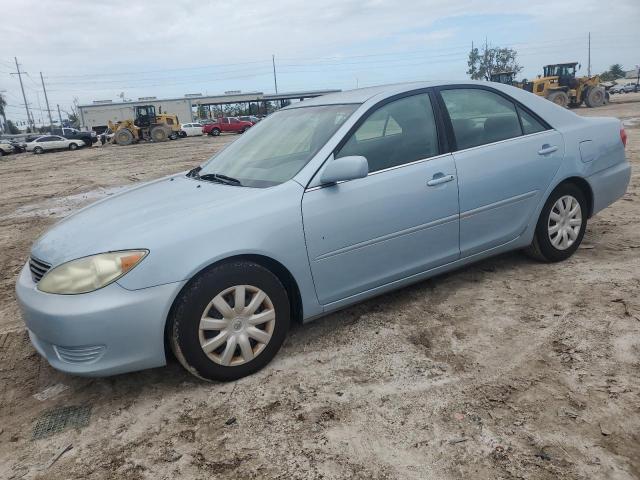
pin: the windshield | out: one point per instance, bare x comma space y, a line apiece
276, 148
559, 70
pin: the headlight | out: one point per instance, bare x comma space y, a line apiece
90, 273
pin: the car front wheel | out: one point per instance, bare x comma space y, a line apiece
561, 225
230, 321
38, 150
73, 146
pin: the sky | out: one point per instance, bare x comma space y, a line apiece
99, 50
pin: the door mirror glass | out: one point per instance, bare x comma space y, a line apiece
345, 168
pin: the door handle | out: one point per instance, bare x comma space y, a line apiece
439, 179
547, 149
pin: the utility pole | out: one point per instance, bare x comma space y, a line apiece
589, 60
24, 97
59, 116
275, 79
47, 102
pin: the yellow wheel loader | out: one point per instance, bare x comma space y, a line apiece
560, 85
147, 125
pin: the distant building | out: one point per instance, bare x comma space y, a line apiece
96, 116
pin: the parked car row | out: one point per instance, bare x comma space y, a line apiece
627, 88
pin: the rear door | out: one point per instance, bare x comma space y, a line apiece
59, 142
400, 220
506, 158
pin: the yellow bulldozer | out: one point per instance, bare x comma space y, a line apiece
147, 125
560, 85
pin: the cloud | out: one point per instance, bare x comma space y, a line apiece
91, 50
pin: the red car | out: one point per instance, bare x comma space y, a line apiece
226, 124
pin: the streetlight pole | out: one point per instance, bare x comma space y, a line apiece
275, 79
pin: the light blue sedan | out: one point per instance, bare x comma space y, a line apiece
323, 204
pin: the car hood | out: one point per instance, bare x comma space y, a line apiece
146, 216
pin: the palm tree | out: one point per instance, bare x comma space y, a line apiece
3, 103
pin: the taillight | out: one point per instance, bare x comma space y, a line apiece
623, 137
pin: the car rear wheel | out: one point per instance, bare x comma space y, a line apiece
38, 150
230, 321
561, 225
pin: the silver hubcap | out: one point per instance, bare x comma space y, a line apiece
565, 220
237, 325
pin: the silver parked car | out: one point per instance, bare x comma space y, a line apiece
321, 205
47, 143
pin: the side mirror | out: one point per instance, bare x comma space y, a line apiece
345, 168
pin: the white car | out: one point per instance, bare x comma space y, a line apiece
53, 142
5, 148
191, 129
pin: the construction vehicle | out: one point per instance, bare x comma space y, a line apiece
505, 77
560, 85
147, 125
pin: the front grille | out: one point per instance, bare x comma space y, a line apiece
38, 269
79, 354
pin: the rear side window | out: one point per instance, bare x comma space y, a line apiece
529, 123
480, 117
398, 132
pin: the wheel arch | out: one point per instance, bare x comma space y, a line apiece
277, 268
584, 187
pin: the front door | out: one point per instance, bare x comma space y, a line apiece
400, 220
506, 158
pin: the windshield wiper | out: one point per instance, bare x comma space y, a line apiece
218, 177
193, 173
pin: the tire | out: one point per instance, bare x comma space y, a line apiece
595, 97
173, 136
183, 134
38, 150
123, 137
197, 301
1, 152
214, 132
73, 146
545, 246
159, 134
559, 97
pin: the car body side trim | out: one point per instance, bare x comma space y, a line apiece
500, 203
384, 238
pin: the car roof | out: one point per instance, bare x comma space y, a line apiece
361, 95
554, 115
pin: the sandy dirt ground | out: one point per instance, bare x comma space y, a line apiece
506, 369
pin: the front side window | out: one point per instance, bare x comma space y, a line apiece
479, 116
399, 132
277, 148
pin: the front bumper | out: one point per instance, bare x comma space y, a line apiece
106, 332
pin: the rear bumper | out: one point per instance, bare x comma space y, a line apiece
609, 185
106, 332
